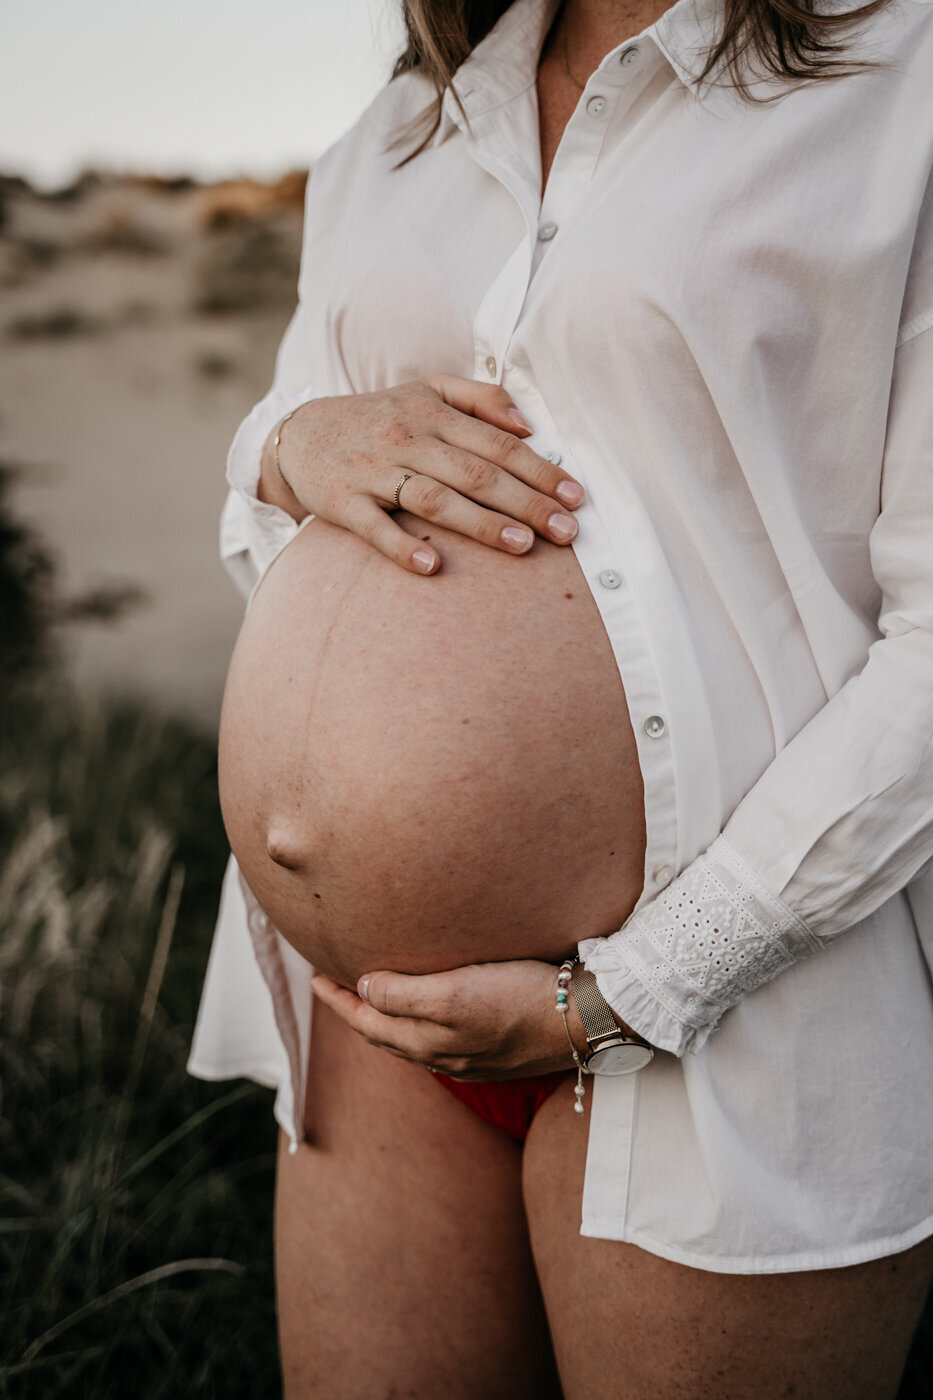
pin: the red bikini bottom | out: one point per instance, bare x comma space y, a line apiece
508, 1104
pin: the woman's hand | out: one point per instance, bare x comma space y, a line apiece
486, 1021
342, 458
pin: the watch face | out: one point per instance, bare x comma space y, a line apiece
619, 1059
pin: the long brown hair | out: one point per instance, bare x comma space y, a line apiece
782, 39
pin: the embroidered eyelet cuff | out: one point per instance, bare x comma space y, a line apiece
714, 934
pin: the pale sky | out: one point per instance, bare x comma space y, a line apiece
203, 87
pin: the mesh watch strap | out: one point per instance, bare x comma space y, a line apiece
596, 1014
597, 1018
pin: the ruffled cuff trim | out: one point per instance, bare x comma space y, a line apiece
713, 935
638, 1007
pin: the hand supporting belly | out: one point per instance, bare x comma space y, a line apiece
419, 774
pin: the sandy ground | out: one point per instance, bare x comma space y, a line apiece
138, 323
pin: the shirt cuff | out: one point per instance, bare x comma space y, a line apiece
244, 460
713, 935
254, 532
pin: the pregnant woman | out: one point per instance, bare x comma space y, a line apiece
576, 745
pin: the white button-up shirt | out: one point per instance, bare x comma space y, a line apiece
719, 316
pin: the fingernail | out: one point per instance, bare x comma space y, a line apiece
569, 492
361, 986
514, 537
562, 527
423, 560
518, 417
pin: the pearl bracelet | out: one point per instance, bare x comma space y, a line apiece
564, 985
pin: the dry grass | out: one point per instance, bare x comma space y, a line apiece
135, 1203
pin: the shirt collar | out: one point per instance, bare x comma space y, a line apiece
685, 33
505, 62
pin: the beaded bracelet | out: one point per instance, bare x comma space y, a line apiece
563, 992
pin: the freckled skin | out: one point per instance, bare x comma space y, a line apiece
448, 760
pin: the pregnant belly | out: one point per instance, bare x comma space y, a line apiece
422, 773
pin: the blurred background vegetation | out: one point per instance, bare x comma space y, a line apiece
140, 320
135, 1202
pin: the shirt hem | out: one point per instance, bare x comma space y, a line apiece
764, 1264
268, 1078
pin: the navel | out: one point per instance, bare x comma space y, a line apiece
285, 850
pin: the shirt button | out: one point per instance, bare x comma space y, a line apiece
547, 231
491, 366
610, 579
663, 875
629, 55
596, 106
654, 726
554, 458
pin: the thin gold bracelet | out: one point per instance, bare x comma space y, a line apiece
275, 444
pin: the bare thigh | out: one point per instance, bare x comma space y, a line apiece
627, 1324
403, 1264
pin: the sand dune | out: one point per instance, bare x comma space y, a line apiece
138, 323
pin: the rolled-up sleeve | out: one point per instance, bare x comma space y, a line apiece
841, 820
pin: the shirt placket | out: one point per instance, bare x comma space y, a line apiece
601, 554
606, 562
577, 155
602, 549
500, 309
607, 548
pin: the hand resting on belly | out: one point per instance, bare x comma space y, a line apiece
419, 773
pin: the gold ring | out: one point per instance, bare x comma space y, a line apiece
399, 487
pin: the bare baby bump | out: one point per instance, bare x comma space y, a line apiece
418, 773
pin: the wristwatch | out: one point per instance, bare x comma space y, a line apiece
611, 1051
